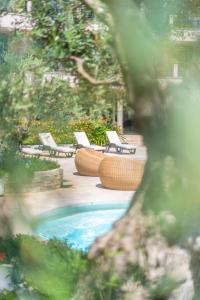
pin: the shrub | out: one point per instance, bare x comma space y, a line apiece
8, 295
60, 134
35, 164
44, 270
24, 171
95, 130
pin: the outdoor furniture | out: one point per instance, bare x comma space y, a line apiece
49, 144
83, 142
31, 152
114, 142
121, 173
87, 161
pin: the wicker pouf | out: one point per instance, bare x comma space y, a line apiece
121, 173
87, 161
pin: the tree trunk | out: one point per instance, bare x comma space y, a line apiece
167, 196
164, 211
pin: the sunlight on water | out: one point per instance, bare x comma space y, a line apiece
81, 229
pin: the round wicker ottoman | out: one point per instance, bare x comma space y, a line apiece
87, 161
121, 173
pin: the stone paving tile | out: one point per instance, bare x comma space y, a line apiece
84, 189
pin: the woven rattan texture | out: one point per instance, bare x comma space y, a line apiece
121, 173
87, 161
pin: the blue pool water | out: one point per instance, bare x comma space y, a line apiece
80, 226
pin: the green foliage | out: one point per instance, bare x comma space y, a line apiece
10, 247
60, 134
51, 271
59, 33
4, 4
24, 170
35, 164
8, 295
30, 98
138, 274
22, 99
61, 30
163, 289
95, 130
14, 103
12, 5
2, 173
3, 46
107, 283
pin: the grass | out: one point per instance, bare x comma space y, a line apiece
36, 164
33, 164
21, 171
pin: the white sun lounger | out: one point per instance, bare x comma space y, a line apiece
49, 143
83, 142
114, 142
31, 151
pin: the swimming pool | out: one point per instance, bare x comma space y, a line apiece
79, 226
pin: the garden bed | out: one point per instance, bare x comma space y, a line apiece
47, 180
37, 175
46, 175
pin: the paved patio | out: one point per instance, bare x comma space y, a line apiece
84, 189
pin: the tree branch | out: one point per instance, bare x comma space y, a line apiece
80, 69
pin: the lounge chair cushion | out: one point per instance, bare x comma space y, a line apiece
96, 147
114, 141
48, 141
113, 137
126, 146
82, 141
31, 151
63, 149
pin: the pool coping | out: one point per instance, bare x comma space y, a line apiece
72, 209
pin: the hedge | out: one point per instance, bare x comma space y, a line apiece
95, 130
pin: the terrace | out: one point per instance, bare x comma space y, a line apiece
99, 215
82, 189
